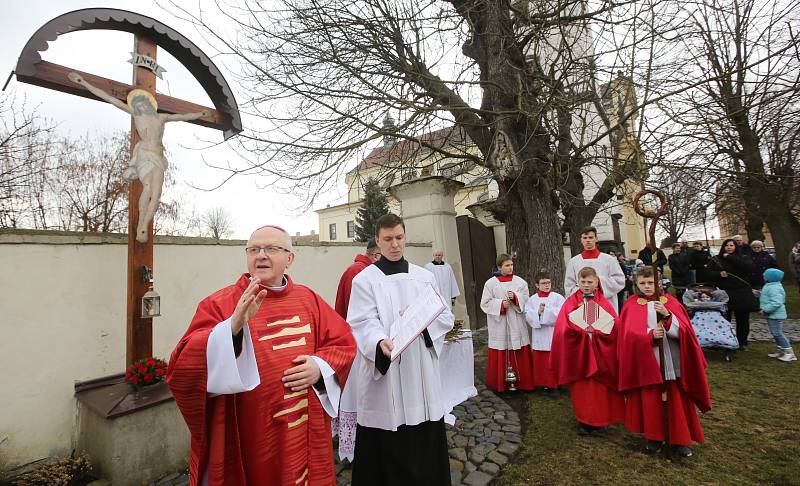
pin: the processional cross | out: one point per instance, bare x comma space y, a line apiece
149, 112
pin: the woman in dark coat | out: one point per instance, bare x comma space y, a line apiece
732, 270
681, 270
763, 261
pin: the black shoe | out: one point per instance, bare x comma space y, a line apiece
652, 447
683, 451
551, 392
586, 429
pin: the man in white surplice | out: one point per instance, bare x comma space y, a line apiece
445, 277
612, 279
400, 404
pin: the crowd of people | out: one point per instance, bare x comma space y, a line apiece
609, 360
607, 337
266, 362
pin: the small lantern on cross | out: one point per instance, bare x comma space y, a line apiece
151, 301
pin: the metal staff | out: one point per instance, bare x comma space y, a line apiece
654, 215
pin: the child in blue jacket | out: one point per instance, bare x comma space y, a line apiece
773, 306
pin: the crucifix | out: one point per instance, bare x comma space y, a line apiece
149, 112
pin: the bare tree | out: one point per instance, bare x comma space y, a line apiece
217, 223
67, 184
27, 148
89, 191
742, 122
688, 196
518, 83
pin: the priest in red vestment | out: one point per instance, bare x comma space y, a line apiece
583, 355
640, 373
372, 255
258, 373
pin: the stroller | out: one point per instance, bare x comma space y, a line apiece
707, 305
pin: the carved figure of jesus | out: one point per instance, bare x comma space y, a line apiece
148, 162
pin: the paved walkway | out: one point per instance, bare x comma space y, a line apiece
760, 332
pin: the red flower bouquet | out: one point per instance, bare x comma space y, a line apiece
146, 371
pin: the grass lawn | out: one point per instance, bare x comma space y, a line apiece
752, 434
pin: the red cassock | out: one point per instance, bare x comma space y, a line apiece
497, 362
269, 435
640, 376
588, 364
346, 283
542, 376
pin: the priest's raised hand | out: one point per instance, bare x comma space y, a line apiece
247, 306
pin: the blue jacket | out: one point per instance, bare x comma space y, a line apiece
773, 297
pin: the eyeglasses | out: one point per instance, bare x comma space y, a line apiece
269, 250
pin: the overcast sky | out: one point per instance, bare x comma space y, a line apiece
106, 53
249, 200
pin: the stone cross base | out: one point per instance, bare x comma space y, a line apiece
138, 446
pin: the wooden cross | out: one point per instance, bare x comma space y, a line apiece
139, 342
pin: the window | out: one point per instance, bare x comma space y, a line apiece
332, 231
351, 229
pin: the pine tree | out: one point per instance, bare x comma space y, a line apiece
375, 206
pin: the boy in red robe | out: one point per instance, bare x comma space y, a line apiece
640, 373
372, 255
584, 355
257, 374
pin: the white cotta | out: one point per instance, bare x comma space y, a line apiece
542, 326
446, 278
509, 330
612, 279
410, 392
672, 352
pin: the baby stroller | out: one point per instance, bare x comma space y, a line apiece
707, 305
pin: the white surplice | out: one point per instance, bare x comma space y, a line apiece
508, 330
542, 326
410, 392
672, 351
446, 278
612, 279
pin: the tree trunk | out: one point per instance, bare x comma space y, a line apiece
782, 224
575, 219
532, 231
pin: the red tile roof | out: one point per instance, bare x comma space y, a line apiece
405, 151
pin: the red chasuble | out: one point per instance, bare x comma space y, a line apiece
346, 283
588, 364
640, 376
269, 435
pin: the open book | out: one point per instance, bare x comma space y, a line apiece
416, 318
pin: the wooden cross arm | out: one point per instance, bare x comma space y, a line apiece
54, 76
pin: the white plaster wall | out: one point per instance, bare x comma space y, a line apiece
63, 307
